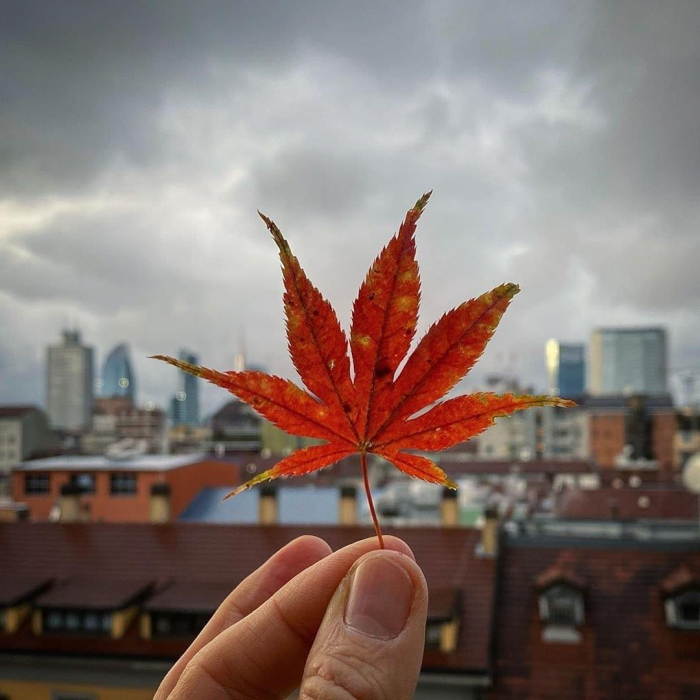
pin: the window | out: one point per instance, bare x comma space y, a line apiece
432, 635
683, 610
85, 481
122, 483
561, 611
561, 604
77, 621
178, 624
36, 483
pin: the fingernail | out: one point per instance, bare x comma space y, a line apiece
381, 594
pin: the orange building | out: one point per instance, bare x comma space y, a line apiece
139, 489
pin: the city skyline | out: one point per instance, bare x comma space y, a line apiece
557, 357
560, 143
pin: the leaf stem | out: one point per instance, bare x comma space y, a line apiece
365, 479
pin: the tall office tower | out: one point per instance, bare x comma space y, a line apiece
566, 368
627, 361
184, 406
69, 383
117, 375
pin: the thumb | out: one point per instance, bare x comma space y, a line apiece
370, 643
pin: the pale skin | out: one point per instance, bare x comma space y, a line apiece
337, 625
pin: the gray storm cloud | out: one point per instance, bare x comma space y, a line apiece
561, 140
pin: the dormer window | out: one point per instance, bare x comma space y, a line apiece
444, 613
562, 604
562, 612
683, 610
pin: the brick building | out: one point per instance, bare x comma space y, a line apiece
116, 490
632, 432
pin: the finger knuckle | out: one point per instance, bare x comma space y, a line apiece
343, 674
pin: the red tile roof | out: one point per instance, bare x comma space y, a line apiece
94, 592
627, 504
558, 573
191, 596
191, 554
626, 648
14, 588
534, 467
680, 578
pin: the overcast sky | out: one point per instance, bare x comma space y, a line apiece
137, 140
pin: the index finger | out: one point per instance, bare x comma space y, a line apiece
264, 654
254, 590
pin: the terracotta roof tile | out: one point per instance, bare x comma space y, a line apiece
557, 573
14, 589
444, 603
535, 467
187, 596
94, 592
192, 553
680, 578
627, 504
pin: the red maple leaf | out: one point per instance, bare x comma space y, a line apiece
374, 409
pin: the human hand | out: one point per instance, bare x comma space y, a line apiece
348, 624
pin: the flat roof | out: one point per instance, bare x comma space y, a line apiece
140, 463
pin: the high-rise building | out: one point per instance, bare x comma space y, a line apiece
69, 383
566, 368
627, 361
184, 405
117, 375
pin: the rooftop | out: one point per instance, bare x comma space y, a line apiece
627, 504
141, 463
15, 411
201, 563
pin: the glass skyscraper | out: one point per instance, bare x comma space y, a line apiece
184, 406
117, 375
628, 361
566, 368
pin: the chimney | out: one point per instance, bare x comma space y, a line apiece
267, 505
489, 532
449, 508
159, 506
69, 504
347, 505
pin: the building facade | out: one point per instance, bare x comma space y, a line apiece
69, 384
24, 432
566, 368
628, 361
115, 490
118, 378
632, 432
115, 420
